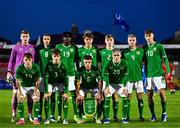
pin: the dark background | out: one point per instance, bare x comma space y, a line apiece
56, 16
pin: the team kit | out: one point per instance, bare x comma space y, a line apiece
89, 77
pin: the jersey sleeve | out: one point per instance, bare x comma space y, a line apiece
99, 59
66, 77
38, 72
12, 59
18, 73
76, 58
164, 57
99, 77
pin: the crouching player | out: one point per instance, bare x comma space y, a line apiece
27, 80
55, 79
116, 72
88, 79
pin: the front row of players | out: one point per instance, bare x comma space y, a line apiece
88, 78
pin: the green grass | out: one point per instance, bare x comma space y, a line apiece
173, 111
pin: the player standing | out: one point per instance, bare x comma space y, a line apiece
154, 55
134, 58
15, 60
106, 56
69, 55
42, 58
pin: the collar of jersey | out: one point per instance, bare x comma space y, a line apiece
66, 46
117, 63
133, 49
151, 44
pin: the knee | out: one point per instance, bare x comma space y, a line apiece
20, 99
35, 98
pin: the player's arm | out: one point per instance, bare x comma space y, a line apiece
10, 64
46, 78
76, 59
126, 71
77, 82
65, 95
164, 57
19, 79
99, 60
79, 98
37, 54
99, 77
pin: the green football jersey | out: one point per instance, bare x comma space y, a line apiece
55, 73
68, 55
88, 79
116, 73
153, 56
28, 77
106, 56
45, 57
134, 59
93, 52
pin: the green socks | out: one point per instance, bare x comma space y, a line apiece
140, 107
21, 110
124, 106
107, 107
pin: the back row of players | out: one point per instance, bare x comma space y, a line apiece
75, 70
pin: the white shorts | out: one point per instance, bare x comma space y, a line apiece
27, 90
138, 85
56, 87
71, 85
159, 82
84, 91
117, 88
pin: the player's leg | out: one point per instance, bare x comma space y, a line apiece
139, 94
115, 106
73, 95
53, 105
42, 90
30, 107
71, 85
14, 101
129, 88
98, 97
41, 106
123, 93
14, 104
79, 102
20, 97
160, 83
47, 103
65, 109
150, 93
36, 106
106, 107
59, 104
46, 110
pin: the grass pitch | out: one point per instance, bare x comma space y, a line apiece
173, 112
